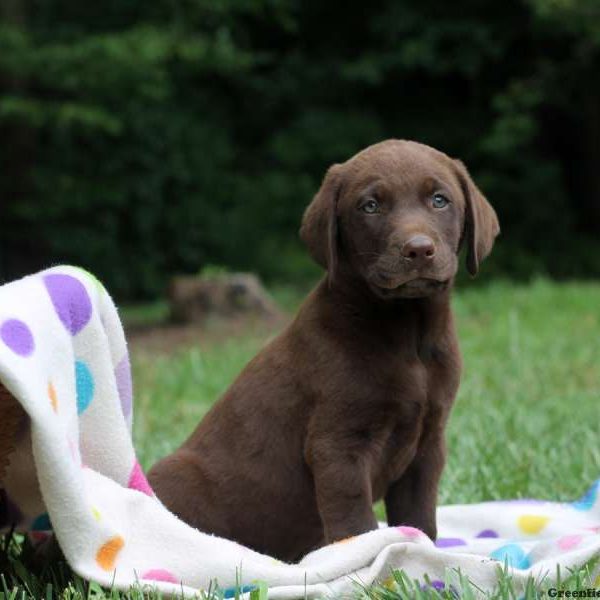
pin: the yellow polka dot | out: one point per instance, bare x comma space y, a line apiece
390, 584
52, 396
107, 554
532, 524
96, 514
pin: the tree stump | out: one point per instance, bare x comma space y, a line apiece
193, 299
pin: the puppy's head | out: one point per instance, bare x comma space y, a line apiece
396, 215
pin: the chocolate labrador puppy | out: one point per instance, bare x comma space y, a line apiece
349, 404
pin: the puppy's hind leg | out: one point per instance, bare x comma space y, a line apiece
179, 483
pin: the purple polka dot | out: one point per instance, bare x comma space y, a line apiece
124, 385
449, 542
440, 587
17, 336
71, 301
487, 533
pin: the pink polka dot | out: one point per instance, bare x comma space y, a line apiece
160, 575
38, 537
124, 385
569, 542
409, 532
138, 481
74, 451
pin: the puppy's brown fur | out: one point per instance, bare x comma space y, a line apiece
349, 404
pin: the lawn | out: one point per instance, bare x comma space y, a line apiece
525, 423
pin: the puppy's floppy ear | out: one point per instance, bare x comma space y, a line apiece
481, 221
319, 225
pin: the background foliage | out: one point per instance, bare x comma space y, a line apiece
140, 139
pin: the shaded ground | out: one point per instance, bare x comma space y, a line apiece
150, 331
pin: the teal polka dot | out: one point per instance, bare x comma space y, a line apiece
235, 591
513, 555
41, 523
587, 501
85, 386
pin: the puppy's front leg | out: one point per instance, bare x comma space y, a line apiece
412, 499
342, 486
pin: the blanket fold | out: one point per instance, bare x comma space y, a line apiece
63, 356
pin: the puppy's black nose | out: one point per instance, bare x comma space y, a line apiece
418, 248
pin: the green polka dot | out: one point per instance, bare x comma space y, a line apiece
92, 277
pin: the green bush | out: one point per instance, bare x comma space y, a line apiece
146, 139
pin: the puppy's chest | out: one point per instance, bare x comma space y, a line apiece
419, 396
428, 379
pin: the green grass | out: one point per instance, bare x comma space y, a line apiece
139, 315
399, 586
526, 420
525, 423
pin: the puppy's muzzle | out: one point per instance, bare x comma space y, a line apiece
418, 251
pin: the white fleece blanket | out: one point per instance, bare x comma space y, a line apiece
63, 355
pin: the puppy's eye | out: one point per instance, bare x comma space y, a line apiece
371, 206
439, 201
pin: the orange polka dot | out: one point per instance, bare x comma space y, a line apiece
345, 540
107, 554
52, 396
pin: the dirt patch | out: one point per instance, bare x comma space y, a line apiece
167, 338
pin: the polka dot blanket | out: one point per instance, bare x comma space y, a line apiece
63, 355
